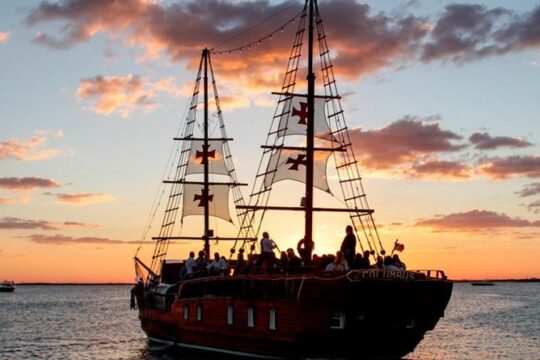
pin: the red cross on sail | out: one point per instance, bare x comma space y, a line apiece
302, 113
195, 197
203, 197
291, 165
216, 160
294, 118
296, 162
205, 154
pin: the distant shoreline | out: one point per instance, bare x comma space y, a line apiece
122, 283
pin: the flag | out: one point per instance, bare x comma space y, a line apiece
398, 247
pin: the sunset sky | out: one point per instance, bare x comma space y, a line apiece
443, 99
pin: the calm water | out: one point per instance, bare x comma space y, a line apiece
94, 322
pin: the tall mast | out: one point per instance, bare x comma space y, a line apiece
308, 237
206, 192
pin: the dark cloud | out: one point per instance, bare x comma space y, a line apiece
512, 166
362, 41
484, 141
529, 189
469, 32
27, 183
403, 142
21, 224
59, 239
534, 206
440, 169
475, 220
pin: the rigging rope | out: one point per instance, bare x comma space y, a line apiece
268, 36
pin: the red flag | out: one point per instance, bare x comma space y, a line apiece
399, 247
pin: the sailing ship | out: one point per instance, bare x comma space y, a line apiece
268, 312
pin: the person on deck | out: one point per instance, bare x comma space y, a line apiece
240, 263
305, 248
267, 248
218, 266
348, 246
293, 260
339, 264
201, 263
190, 264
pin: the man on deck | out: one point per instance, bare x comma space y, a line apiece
267, 248
348, 246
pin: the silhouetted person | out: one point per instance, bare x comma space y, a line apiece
348, 246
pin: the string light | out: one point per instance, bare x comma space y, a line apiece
259, 41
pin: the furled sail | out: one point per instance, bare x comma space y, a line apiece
294, 118
287, 164
218, 199
216, 160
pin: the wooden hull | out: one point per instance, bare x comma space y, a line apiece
7, 289
314, 317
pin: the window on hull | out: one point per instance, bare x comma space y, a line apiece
230, 315
251, 317
272, 319
199, 312
186, 312
337, 321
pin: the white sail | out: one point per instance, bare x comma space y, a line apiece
294, 118
194, 198
216, 160
291, 165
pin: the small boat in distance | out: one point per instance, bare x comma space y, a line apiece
7, 286
482, 283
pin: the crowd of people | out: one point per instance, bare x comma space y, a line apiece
289, 262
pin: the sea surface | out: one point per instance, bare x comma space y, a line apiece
95, 322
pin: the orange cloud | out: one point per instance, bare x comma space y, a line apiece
12, 223
117, 94
81, 199
4, 36
403, 142
59, 239
5, 201
54, 133
484, 141
475, 220
27, 183
27, 150
512, 166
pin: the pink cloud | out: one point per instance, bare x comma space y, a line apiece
475, 220
4, 36
27, 183
27, 150
81, 199
59, 239
512, 166
484, 141
13, 223
403, 142
117, 94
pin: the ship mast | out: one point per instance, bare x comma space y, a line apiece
206, 192
308, 233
